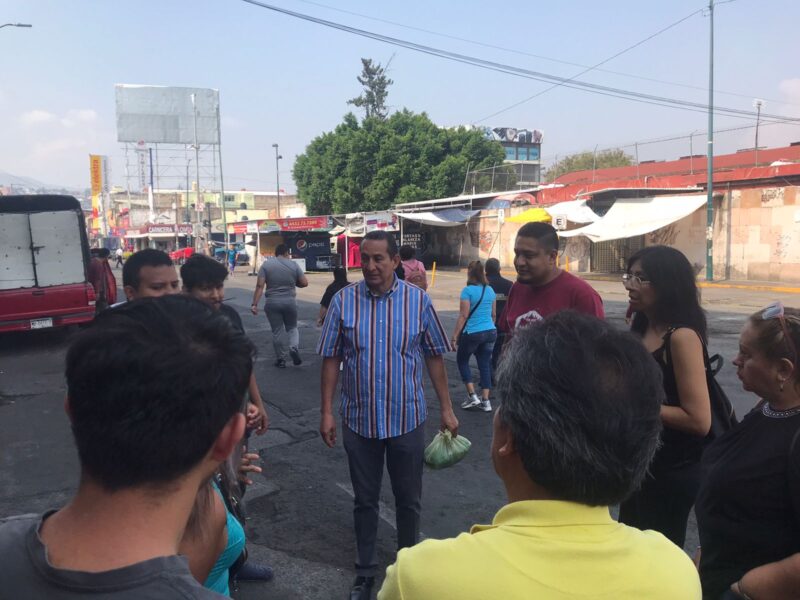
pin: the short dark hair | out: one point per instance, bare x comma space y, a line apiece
586, 439
677, 297
150, 385
103, 253
492, 266
202, 270
391, 243
407, 252
149, 257
544, 233
281, 249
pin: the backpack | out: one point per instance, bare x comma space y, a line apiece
416, 275
723, 417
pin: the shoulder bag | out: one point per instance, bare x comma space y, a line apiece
471, 312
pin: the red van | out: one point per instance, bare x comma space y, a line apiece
44, 256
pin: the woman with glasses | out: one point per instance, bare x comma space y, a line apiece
666, 310
748, 509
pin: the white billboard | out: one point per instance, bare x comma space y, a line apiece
166, 115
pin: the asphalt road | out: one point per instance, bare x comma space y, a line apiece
300, 511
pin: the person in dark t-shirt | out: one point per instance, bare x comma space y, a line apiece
151, 423
748, 507
204, 279
339, 281
501, 287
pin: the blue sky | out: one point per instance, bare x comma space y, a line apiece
285, 81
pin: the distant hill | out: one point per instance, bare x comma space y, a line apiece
28, 184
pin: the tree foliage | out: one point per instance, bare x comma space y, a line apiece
585, 161
371, 165
376, 89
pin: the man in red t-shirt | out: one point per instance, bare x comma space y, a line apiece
542, 288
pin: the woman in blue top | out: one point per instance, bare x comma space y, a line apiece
475, 333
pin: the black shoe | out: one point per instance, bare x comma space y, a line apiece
254, 572
362, 588
295, 354
280, 363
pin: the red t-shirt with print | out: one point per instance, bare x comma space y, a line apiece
528, 304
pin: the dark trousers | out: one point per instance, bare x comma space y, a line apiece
404, 460
663, 502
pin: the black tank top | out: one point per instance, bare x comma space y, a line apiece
678, 447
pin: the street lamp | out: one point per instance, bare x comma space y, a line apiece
278, 176
16, 25
758, 104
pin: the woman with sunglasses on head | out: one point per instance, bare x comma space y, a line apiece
666, 311
748, 509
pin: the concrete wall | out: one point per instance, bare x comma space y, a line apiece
756, 237
761, 234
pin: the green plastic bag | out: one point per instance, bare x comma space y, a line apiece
445, 450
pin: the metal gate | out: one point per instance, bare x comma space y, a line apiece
612, 256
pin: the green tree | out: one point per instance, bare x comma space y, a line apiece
376, 89
585, 161
373, 164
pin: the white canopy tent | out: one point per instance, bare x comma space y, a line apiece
573, 210
629, 217
450, 217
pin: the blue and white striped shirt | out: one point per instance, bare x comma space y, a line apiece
381, 340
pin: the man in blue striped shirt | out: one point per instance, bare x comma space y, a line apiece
381, 329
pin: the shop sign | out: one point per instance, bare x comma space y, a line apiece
305, 223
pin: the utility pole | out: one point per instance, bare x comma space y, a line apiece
199, 205
710, 152
186, 217
278, 157
221, 181
758, 104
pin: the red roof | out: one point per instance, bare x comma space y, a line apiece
734, 170
685, 166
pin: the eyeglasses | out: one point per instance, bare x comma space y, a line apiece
629, 280
776, 311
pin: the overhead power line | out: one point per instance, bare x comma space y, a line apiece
539, 56
524, 73
587, 69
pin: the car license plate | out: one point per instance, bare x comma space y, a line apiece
41, 323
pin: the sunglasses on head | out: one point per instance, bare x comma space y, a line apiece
776, 311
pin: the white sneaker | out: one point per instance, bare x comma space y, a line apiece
472, 401
486, 406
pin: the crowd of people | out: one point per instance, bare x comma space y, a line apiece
589, 417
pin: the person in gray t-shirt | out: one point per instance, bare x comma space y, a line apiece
281, 276
27, 573
153, 418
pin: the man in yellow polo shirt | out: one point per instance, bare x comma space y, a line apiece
576, 430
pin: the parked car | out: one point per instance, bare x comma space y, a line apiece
180, 255
45, 258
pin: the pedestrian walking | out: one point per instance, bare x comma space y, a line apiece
278, 280
542, 288
501, 287
748, 508
382, 329
668, 317
339, 281
413, 269
102, 279
475, 334
118, 255
232, 256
